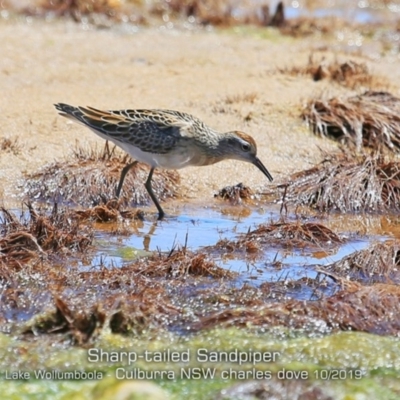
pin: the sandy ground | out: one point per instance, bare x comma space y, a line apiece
229, 80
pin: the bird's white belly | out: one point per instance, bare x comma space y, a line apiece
173, 160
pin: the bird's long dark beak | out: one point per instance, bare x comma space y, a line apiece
257, 162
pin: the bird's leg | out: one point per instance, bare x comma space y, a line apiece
122, 178
161, 212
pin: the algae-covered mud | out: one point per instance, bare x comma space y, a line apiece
213, 364
247, 289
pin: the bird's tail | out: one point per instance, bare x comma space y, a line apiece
70, 112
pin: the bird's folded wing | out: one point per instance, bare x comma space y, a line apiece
149, 130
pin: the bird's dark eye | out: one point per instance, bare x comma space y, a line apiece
246, 147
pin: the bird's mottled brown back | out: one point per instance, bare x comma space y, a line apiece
154, 131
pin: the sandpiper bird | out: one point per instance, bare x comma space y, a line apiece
164, 139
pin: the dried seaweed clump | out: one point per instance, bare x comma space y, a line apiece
286, 234
235, 194
350, 73
81, 325
297, 233
109, 212
91, 176
78, 9
221, 12
310, 26
347, 184
360, 308
144, 308
38, 234
371, 120
378, 263
179, 263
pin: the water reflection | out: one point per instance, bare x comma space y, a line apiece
206, 229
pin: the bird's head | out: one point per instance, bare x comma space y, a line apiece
241, 146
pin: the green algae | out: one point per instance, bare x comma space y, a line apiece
129, 253
350, 364
126, 252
